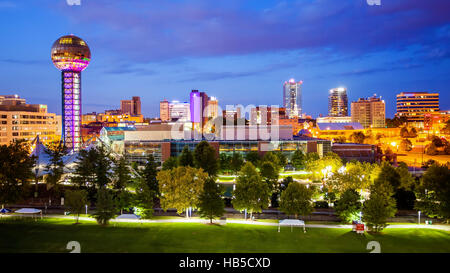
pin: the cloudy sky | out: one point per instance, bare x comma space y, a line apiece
240, 51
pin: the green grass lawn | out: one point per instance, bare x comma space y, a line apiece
52, 235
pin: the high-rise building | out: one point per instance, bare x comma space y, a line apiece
266, 115
132, 107
370, 112
212, 109
179, 111
338, 102
414, 106
164, 114
71, 55
292, 98
19, 120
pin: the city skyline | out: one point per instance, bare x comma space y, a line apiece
236, 65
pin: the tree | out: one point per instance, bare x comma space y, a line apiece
55, 167
348, 206
433, 193
404, 133
149, 175
210, 202
355, 176
93, 168
390, 175
225, 162
143, 200
76, 200
15, 171
122, 175
380, 206
186, 157
251, 192
170, 163
358, 137
270, 174
296, 200
205, 157
272, 158
431, 149
236, 162
252, 157
285, 183
282, 159
180, 187
298, 160
123, 200
406, 145
105, 209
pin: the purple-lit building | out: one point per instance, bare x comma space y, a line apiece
71, 55
196, 106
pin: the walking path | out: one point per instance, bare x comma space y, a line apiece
248, 222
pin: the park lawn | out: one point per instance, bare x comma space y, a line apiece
52, 235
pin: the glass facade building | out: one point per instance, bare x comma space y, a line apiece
338, 102
292, 98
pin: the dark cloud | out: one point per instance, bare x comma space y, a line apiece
159, 30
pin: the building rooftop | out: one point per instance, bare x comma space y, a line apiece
340, 126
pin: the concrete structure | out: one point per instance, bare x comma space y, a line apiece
354, 151
164, 113
344, 119
266, 115
131, 107
19, 120
370, 112
414, 106
292, 98
338, 102
334, 131
71, 55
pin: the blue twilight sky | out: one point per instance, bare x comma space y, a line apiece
240, 51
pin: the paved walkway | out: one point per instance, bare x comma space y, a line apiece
196, 220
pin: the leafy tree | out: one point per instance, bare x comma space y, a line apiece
236, 162
406, 145
105, 209
395, 122
296, 200
406, 179
186, 157
270, 174
149, 174
251, 192
390, 175
123, 200
358, 137
76, 200
210, 202
122, 174
252, 157
404, 133
431, 149
143, 200
298, 160
170, 163
433, 193
181, 187
322, 167
380, 206
413, 133
272, 158
285, 183
356, 176
205, 157
348, 206
282, 159
225, 162
15, 171
102, 167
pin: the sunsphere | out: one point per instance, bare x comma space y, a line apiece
71, 55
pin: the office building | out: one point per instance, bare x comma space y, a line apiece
292, 98
132, 107
19, 120
338, 102
414, 106
370, 112
164, 114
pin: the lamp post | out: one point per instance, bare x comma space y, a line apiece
36, 171
419, 216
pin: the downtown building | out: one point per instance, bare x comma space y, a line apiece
292, 98
131, 107
174, 111
370, 112
415, 105
21, 121
338, 102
